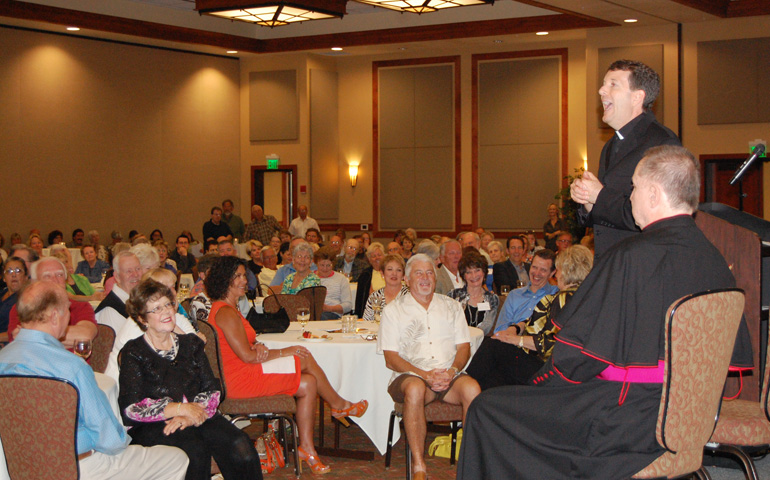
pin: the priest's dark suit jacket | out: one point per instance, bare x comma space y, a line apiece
503, 273
611, 214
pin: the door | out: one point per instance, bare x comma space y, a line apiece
275, 191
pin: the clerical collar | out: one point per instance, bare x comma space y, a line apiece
625, 130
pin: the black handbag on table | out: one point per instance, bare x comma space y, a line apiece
277, 322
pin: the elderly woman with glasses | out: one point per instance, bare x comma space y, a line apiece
302, 258
15, 277
169, 394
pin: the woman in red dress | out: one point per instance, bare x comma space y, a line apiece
253, 370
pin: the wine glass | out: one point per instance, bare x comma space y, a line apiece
82, 348
303, 316
521, 283
377, 308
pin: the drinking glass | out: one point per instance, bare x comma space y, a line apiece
521, 283
82, 348
303, 316
377, 308
505, 289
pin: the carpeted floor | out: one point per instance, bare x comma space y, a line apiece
438, 468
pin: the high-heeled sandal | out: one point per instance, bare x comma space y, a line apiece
313, 462
354, 410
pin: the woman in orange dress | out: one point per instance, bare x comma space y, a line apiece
253, 370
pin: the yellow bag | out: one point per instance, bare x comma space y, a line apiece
442, 445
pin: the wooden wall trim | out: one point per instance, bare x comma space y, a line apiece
140, 28
294, 199
455, 61
563, 53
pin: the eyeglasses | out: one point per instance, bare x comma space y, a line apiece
11, 271
302, 257
160, 308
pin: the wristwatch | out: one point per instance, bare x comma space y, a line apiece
457, 371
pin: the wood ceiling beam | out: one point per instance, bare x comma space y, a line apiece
713, 7
139, 28
447, 31
748, 8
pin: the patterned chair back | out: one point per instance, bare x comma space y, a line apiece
316, 296
101, 348
291, 303
700, 332
43, 445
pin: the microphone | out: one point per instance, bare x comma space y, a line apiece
759, 149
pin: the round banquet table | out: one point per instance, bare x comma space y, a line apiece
354, 369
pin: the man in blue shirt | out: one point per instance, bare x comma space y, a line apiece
102, 444
520, 302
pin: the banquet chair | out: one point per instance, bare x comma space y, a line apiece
292, 303
281, 407
43, 445
744, 426
101, 348
435, 412
316, 296
699, 332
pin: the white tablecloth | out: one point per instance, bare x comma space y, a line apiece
355, 370
106, 384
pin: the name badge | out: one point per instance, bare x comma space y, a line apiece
483, 306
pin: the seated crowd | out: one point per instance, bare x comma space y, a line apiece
547, 316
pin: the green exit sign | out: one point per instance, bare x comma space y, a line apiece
272, 164
764, 153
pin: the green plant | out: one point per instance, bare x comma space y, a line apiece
569, 207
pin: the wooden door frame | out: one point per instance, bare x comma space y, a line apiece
285, 169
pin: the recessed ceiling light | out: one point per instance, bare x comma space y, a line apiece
498, 41
73, 29
541, 33
337, 49
402, 48
630, 20
232, 51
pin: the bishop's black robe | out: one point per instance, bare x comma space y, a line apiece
571, 424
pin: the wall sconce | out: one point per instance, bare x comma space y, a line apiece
353, 172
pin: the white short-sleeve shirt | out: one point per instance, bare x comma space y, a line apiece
427, 339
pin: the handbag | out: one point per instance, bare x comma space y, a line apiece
270, 452
266, 322
442, 445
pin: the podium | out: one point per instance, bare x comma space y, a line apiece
744, 241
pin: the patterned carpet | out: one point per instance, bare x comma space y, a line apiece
354, 439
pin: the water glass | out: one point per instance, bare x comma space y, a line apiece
505, 289
349, 323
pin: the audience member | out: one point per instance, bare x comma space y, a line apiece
169, 395
102, 444
407, 247
227, 249
164, 261
302, 276
336, 245
78, 287
313, 237
253, 370
338, 300
82, 325
563, 242
370, 279
155, 235
473, 239
262, 227
426, 343
77, 238
269, 266
349, 264
520, 302
232, 220
26, 253
127, 273
185, 261
254, 263
200, 304
448, 277
215, 227
91, 267
512, 358
300, 225
553, 227
479, 305
394, 248
393, 271
55, 237
15, 276
514, 270
35, 242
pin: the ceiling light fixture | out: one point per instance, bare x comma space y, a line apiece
541, 33
232, 51
336, 49
73, 29
272, 13
423, 6
630, 20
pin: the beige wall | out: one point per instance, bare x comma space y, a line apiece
107, 136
